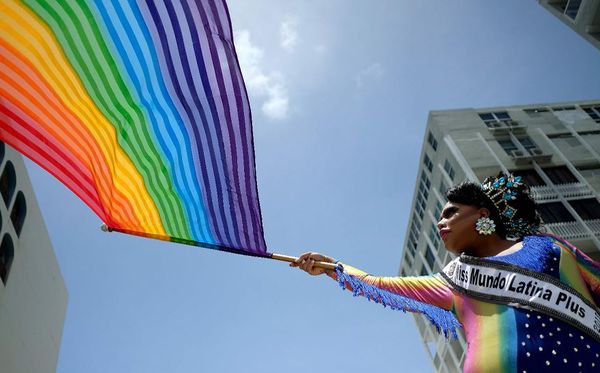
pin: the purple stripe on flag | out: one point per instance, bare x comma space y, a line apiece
219, 12
194, 42
166, 34
237, 131
236, 137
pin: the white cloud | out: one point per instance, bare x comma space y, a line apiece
288, 34
270, 86
370, 73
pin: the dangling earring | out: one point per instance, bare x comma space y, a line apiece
485, 226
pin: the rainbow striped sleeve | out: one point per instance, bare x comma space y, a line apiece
138, 107
576, 264
427, 295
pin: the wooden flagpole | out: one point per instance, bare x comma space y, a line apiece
290, 259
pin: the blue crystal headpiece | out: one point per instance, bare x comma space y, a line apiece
503, 190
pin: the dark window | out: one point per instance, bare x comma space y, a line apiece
425, 180
2, 149
437, 212
563, 108
494, 119
448, 168
428, 163
486, 117
429, 257
443, 187
536, 112
424, 271
507, 145
8, 182
530, 177
432, 141
7, 253
502, 115
527, 143
554, 212
434, 235
573, 8
560, 175
19, 210
593, 112
588, 209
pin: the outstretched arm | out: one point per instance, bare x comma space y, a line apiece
428, 295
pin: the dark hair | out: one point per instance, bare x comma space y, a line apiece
470, 193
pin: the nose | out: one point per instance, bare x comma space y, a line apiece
441, 224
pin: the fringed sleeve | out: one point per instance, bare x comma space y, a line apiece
428, 295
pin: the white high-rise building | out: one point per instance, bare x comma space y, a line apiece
33, 297
555, 147
583, 16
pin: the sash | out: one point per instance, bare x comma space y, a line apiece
519, 287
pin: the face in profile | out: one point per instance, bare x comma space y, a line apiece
457, 227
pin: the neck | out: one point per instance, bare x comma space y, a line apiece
490, 246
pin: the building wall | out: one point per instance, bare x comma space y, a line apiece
583, 16
557, 145
33, 297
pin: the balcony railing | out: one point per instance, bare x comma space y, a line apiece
569, 190
574, 230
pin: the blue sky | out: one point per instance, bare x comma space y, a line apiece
340, 92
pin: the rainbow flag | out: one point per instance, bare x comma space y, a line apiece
140, 108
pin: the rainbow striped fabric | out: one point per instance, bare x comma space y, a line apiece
139, 107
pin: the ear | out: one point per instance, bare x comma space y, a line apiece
484, 212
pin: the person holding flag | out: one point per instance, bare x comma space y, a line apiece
525, 300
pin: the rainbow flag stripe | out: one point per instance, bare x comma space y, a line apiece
140, 108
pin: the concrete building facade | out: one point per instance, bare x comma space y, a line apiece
554, 147
583, 16
33, 297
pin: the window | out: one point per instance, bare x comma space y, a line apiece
2, 150
432, 141
536, 112
437, 211
588, 209
593, 112
434, 235
530, 177
554, 212
8, 182
573, 8
508, 146
563, 108
560, 175
413, 235
7, 253
449, 170
425, 180
19, 210
424, 270
443, 187
429, 257
527, 143
408, 262
491, 119
428, 163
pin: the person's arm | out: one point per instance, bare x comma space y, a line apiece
428, 295
430, 289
